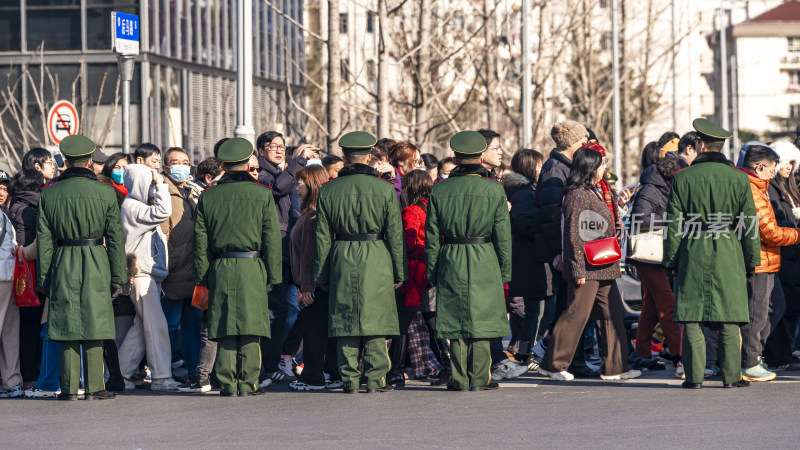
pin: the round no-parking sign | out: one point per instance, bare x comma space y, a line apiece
62, 121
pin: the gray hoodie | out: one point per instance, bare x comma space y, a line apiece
141, 221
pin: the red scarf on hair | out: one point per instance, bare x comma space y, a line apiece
608, 195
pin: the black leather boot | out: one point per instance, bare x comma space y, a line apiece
397, 355
111, 356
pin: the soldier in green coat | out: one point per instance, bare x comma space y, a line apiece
360, 254
711, 254
468, 253
79, 274
237, 254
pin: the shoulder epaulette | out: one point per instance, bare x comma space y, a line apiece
107, 184
256, 182
496, 181
384, 179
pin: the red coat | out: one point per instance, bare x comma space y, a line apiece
414, 235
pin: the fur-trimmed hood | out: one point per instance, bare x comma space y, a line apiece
513, 179
788, 153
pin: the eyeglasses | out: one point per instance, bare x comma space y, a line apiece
275, 147
254, 169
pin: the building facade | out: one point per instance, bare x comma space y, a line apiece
183, 92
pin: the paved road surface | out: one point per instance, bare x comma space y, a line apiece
529, 412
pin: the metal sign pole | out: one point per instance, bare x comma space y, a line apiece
125, 42
126, 66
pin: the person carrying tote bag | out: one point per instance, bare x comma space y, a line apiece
591, 289
647, 226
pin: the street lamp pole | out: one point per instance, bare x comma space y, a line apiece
244, 70
615, 99
526, 76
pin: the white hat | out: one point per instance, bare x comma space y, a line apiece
788, 154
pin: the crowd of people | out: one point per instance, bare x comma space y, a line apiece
274, 264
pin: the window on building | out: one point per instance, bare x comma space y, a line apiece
10, 27
345, 70
98, 21
57, 26
794, 44
794, 77
370, 22
343, 23
794, 111
372, 73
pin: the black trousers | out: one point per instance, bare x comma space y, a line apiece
30, 340
319, 351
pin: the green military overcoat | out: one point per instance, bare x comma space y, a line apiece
361, 275
78, 279
237, 215
711, 265
469, 278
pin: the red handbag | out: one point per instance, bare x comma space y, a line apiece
25, 281
602, 251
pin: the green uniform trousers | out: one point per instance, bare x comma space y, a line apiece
729, 351
376, 360
471, 363
238, 363
92, 366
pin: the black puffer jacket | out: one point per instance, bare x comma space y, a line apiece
22, 213
549, 191
790, 256
528, 276
650, 203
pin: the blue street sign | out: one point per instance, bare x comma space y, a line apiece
125, 33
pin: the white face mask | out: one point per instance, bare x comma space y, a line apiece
444, 177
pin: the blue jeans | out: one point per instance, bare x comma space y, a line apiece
538, 314
50, 371
187, 320
283, 311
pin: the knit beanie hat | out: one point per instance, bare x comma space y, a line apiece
567, 133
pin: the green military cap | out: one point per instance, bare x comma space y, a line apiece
468, 144
77, 147
357, 143
235, 150
710, 132
611, 177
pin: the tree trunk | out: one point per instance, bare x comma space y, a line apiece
491, 70
334, 75
383, 71
423, 74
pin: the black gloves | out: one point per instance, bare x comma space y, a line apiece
116, 289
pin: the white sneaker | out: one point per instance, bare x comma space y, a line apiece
633, 373
12, 392
164, 384
300, 386
266, 383
507, 369
336, 384
177, 364
558, 376
679, 371
38, 393
285, 365
539, 349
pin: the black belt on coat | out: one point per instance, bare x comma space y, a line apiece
79, 242
467, 240
688, 227
223, 255
358, 237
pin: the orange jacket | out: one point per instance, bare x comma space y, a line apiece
773, 237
